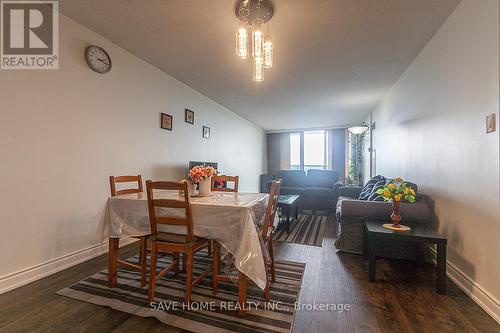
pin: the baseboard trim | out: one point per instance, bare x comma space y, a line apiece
30, 274
478, 294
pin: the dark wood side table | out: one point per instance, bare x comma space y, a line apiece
420, 234
288, 203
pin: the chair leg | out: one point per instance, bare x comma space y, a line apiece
152, 273
215, 268
271, 255
113, 262
142, 260
242, 292
184, 262
189, 276
267, 293
176, 268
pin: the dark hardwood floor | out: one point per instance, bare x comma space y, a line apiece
402, 300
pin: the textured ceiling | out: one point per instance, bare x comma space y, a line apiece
334, 60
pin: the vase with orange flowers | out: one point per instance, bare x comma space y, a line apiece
395, 191
202, 175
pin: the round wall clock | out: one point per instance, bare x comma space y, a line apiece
98, 59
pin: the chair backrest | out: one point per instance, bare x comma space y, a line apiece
113, 180
272, 207
181, 203
224, 179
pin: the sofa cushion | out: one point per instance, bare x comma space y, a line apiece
318, 192
291, 190
367, 189
321, 178
374, 196
350, 191
292, 178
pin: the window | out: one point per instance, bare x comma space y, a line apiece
314, 150
295, 151
308, 150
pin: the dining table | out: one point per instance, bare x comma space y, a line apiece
232, 219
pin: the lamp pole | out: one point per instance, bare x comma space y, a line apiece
356, 131
357, 159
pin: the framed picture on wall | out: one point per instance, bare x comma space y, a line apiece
206, 132
189, 116
166, 121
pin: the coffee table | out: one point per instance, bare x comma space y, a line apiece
421, 234
287, 203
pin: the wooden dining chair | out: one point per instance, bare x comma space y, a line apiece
224, 180
187, 244
113, 242
267, 235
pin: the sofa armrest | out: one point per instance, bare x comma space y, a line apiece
350, 191
350, 210
338, 184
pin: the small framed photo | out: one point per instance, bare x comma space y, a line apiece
206, 132
189, 116
166, 121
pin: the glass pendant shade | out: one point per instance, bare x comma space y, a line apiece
257, 39
268, 54
258, 73
242, 43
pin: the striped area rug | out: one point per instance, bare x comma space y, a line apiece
306, 230
208, 313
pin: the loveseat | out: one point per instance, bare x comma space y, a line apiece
318, 189
350, 213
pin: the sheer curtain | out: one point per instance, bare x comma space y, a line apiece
278, 152
336, 149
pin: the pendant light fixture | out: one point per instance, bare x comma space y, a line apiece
253, 15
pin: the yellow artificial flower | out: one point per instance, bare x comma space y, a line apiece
387, 194
398, 179
412, 191
391, 186
406, 191
397, 197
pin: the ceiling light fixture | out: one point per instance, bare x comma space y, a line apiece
253, 14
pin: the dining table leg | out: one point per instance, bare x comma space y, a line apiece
242, 292
113, 261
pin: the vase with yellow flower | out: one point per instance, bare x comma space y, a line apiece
395, 191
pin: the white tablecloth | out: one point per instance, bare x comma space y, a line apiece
230, 218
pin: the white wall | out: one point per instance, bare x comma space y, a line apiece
430, 129
64, 132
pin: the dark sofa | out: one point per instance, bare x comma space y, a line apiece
318, 189
351, 212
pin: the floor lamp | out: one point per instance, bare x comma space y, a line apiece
357, 131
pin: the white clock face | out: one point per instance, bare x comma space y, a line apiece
98, 59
